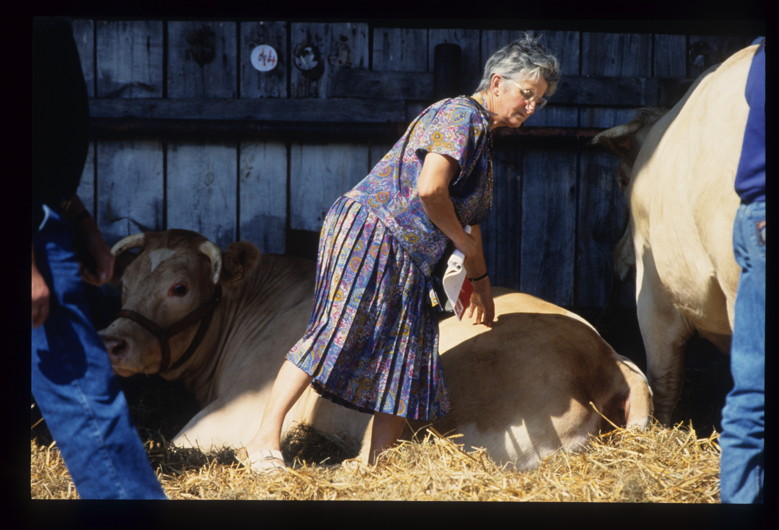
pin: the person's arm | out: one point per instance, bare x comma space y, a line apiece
100, 267
433, 187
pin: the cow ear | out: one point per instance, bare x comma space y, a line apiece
239, 258
121, 262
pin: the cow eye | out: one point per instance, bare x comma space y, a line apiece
179, 289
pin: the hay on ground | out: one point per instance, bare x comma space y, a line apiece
668, 465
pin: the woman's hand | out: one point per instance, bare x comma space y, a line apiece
97, 261
482, 306
40, 296
101, 268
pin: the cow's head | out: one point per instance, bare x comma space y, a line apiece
625, 141
170, 291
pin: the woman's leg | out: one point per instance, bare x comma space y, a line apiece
290, 383
386, 430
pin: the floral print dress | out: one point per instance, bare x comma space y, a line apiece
372, 340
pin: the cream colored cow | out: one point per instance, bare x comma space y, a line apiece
522, 388
680, 186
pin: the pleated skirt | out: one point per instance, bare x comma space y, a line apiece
372, 340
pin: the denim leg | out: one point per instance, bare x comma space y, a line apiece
743, 418
75, 388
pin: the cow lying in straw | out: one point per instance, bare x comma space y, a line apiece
222, 321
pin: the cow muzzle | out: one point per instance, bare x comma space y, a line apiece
202, 314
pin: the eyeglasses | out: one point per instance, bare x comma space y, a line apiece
529, 96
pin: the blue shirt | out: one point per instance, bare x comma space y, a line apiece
750, 176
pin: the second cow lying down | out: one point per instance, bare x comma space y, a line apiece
223, 320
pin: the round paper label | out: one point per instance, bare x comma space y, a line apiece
264, 58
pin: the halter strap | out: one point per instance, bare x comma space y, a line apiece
204, 314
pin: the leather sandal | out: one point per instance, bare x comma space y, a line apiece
264, 461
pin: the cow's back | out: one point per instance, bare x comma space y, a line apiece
682, 195
523, 388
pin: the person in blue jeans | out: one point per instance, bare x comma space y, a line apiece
743, 416
71, 376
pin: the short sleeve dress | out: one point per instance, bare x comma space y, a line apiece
372, 341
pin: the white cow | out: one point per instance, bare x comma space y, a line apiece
680, 169
223, 320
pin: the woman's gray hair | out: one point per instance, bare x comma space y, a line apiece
524, 57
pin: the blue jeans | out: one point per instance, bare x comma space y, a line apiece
743, 418
74, 386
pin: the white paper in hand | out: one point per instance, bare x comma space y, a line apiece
457, 286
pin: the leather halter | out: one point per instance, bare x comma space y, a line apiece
204, 313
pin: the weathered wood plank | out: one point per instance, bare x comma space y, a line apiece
263, 195
202, 57
618, 91
397, 50
84, 35
202, 189
616, 54
707, 50
548, 225
502, 232
130, 187
129, 58
670, 52
264, 84
318, 175
319, 50
604, 117
86, 186
382, 85
347, 110
602, 219
468, 40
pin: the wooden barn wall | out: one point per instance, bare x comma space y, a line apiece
187, 134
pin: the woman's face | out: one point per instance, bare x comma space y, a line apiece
514, 101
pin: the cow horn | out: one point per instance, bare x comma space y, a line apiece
129, 242
619, 131
215, 255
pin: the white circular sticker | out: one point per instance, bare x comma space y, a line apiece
264, 58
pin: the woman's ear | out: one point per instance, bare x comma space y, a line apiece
238, 260
495, 83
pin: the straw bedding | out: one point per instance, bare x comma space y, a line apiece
668, 465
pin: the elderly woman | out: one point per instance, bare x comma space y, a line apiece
372, 340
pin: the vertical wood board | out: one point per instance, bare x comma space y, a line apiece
202, 59
256, 83
502, 232
86, 186
202, 189
319, 50
602, 218
471, 66
83, 34
704, 51
670, 53
130, 187
605, 117
548, 225
319, 175
263, 195
616, 54
398, 50
129, 58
